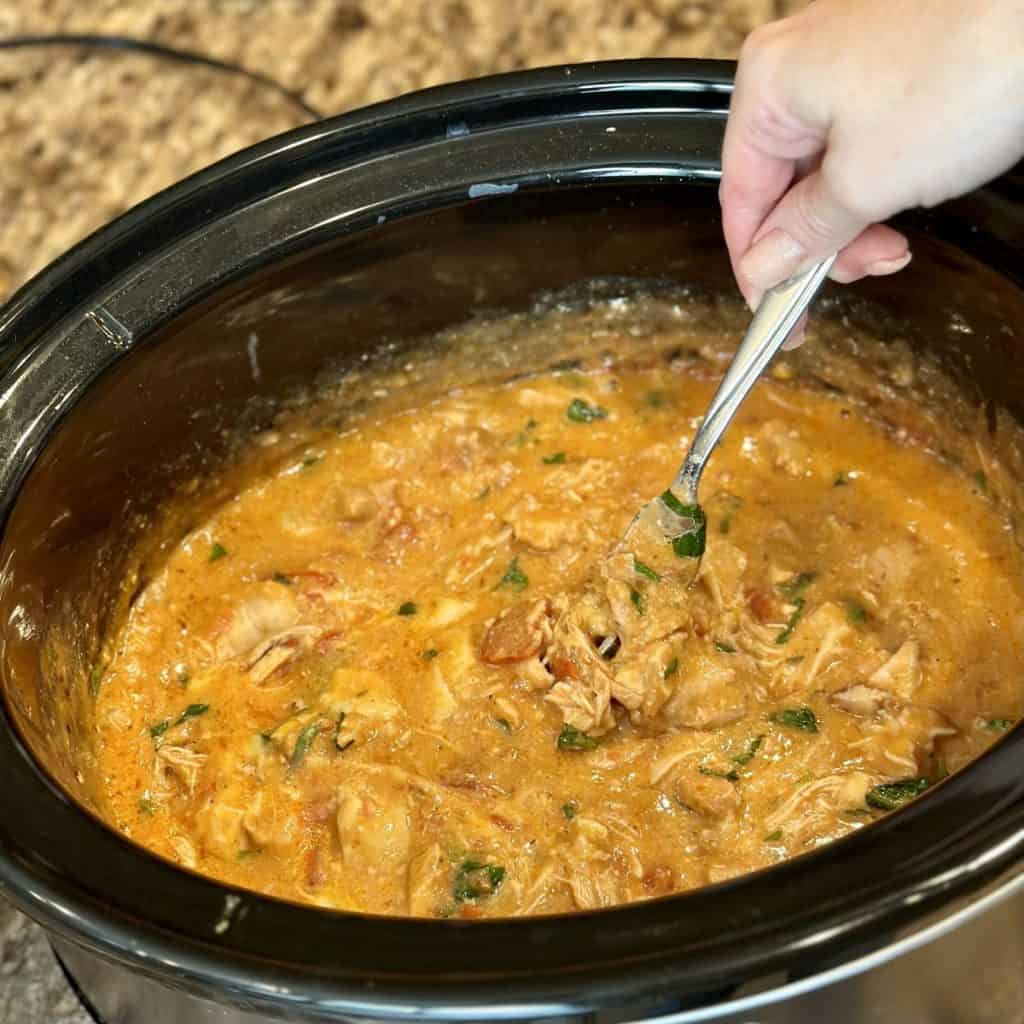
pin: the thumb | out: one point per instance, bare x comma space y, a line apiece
809, 223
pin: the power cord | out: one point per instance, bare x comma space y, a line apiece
162, 52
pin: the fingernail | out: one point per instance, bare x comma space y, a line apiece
772, 259
882, 267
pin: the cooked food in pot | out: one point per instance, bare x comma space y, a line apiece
367, 681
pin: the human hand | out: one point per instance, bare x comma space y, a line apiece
853, 110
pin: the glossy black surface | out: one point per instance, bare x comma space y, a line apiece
127, 357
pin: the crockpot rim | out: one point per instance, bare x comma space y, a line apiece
581, 941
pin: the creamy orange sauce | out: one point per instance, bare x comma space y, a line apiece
315, 697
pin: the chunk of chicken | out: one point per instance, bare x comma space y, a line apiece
180, 763
429, 872
901, 674
707, 693
899, 743
707, 795
543, 529
363, 704
518, 633
814, 807
267, 610
592, 878
374, 826
220, 823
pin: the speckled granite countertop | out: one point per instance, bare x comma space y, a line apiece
86, 134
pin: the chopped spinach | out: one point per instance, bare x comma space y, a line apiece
731, 775
856, 612
310, 460
773, 837
430, 654
999, 724
721, 645
407, 608
95, 680
147, 807
656, 399
791, 623
890, 795
504, 725
483, 494
671, 669
572, 739
637, 600
279, 577
793, 588
580, 411
841, 479
981, 480
217, 551
192, 711
475, 881
803, 719
691, 542
748, 755
514, 576
305, 741
555, 459
645, 570
568, 811
254, 851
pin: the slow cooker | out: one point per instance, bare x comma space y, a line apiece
122, 368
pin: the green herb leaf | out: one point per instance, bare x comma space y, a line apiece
803, 719
504, 725
656, 399
255, 851
572, 739
981, 480
692, 541
407, 608
305, 741
890, 795
856, 612
732, 775
147, 807
217, 551
793, 588
555, 459
192, 711
430, 654
791, 622
483, 494
568, 811
999, 724
721, 645
748, 755
279, 577
637, 600
95, 681
773, 837
841, 479
514, 576
645, 570
310, 460
580, 411
524, 435
475, 881
671, 669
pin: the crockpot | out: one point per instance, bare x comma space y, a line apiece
122, 368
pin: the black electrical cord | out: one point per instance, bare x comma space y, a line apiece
159, 50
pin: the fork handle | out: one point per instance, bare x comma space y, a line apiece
776, 316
